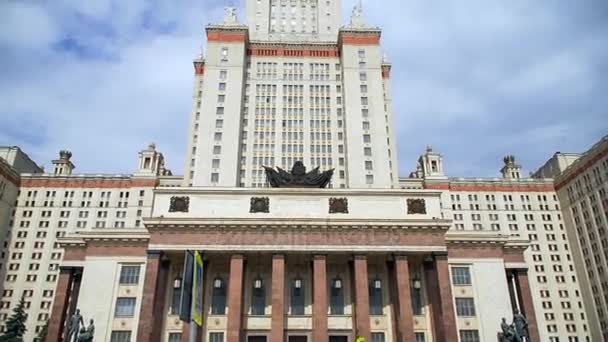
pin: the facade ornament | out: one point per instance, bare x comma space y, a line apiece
356, 17
230, 16
298, 177
179, 204
338, 205
65, 155
259, 205
416, 206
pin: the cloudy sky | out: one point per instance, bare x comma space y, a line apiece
477, 79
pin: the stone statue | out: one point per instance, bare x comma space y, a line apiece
74, 326
86, 335
298, 178
521, 325
508, 332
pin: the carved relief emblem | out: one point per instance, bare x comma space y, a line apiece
259, 205
338, 205
179, 204
416, 206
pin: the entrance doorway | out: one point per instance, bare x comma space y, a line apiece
256, 338
338, 338
298, 339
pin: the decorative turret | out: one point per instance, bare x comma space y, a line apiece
510, 170
431, 164
63, 165
152, 162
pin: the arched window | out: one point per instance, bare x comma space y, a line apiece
258, 297
297, 297
336, 297
375, 297
218, 297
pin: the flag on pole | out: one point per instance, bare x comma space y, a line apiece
197, 290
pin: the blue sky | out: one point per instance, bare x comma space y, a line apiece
477, 79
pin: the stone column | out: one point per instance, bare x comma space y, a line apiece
526, 304
277, 329
319, 316
149, 315
60, 305
235, 298
362, 325
405, 318
448, 317
440, 298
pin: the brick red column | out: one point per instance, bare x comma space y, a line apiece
235, 298
319, 315
277, 329
439, 291
60, 305
526, 304
405, 318
362, 326
145, 329
159, 302
185, 331
448, 317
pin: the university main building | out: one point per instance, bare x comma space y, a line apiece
294, 254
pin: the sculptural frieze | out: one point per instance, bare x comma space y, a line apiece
338, 205
259, 205
298, 177
416, 206
179, 204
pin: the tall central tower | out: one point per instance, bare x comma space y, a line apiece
292, 85
294, 20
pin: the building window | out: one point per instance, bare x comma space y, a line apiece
465, 307
296, 304
129, 275
218, 297
219, 111
368, 165
125, 307
461, 276
369, 179
222, 86
217, 149
216, 337
419, 337
361, 53
469, 336
258, 297
377, 337
215, 163
215, 177
364, 101
120, 336
336, 296
375, 297
175, 337
367, 151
